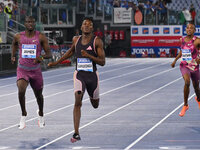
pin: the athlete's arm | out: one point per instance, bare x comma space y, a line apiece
197, 45
45, 46
68, 54
14, 47
100, 59
177, 57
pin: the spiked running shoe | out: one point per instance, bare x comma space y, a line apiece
75, 137
41, 122
197, 101
184, 109
22, 124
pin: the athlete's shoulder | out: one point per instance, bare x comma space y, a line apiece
98, 40
40, 33
197, 40
75, 38
181, 39
17, 36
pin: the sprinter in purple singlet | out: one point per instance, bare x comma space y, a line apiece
88, 50
189, 65
30, 44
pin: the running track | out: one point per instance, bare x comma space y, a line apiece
139, 106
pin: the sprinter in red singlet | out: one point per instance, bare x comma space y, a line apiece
189, 65
88, 50
30, 44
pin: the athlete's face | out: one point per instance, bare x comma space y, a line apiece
87, 26
30, 24
190, 29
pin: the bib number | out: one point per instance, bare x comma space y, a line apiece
29, 50
84, 64
186, 55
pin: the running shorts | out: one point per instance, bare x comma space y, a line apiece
34, 77
87, 80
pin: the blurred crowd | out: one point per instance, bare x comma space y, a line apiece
10, 8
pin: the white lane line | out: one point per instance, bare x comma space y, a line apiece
8, 94
32, 100
53, 141
55, 70
3, 147
54, 76
156, 125
100, 95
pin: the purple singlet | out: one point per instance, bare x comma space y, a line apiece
189, 54
29, 49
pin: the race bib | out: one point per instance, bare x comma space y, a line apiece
84, 64
29, 50
186, 55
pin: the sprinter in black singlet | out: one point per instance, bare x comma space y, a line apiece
89, 51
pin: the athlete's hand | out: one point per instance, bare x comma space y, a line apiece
84, 53
38, 59
173, 64
13, 59
52, 64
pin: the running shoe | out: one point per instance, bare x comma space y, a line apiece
197, 101
22, 124
184, 109
75, 137
41, 122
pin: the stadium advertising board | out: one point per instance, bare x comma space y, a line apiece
154, 39
122, 15
197, 33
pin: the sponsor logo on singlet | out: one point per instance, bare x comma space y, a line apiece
89, 48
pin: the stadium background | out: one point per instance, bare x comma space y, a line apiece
128, 24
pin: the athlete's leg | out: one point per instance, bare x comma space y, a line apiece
195, 81
93, 90
40, 100
22, 85
79, 90
186, 78
196, 88
77, 110
36, 82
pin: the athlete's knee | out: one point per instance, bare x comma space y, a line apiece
21, 92
95, 103
187, 83
38, 94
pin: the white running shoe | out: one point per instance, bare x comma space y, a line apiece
22, 124
41, 122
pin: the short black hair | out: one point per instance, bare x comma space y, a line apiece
89, 18
191, 22
30, 17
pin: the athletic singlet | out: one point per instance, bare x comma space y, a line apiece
189, 54
82, 63
29, 49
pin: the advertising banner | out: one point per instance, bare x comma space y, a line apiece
122, 15
197, 33
155, 39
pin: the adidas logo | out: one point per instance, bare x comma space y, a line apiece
89, 48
